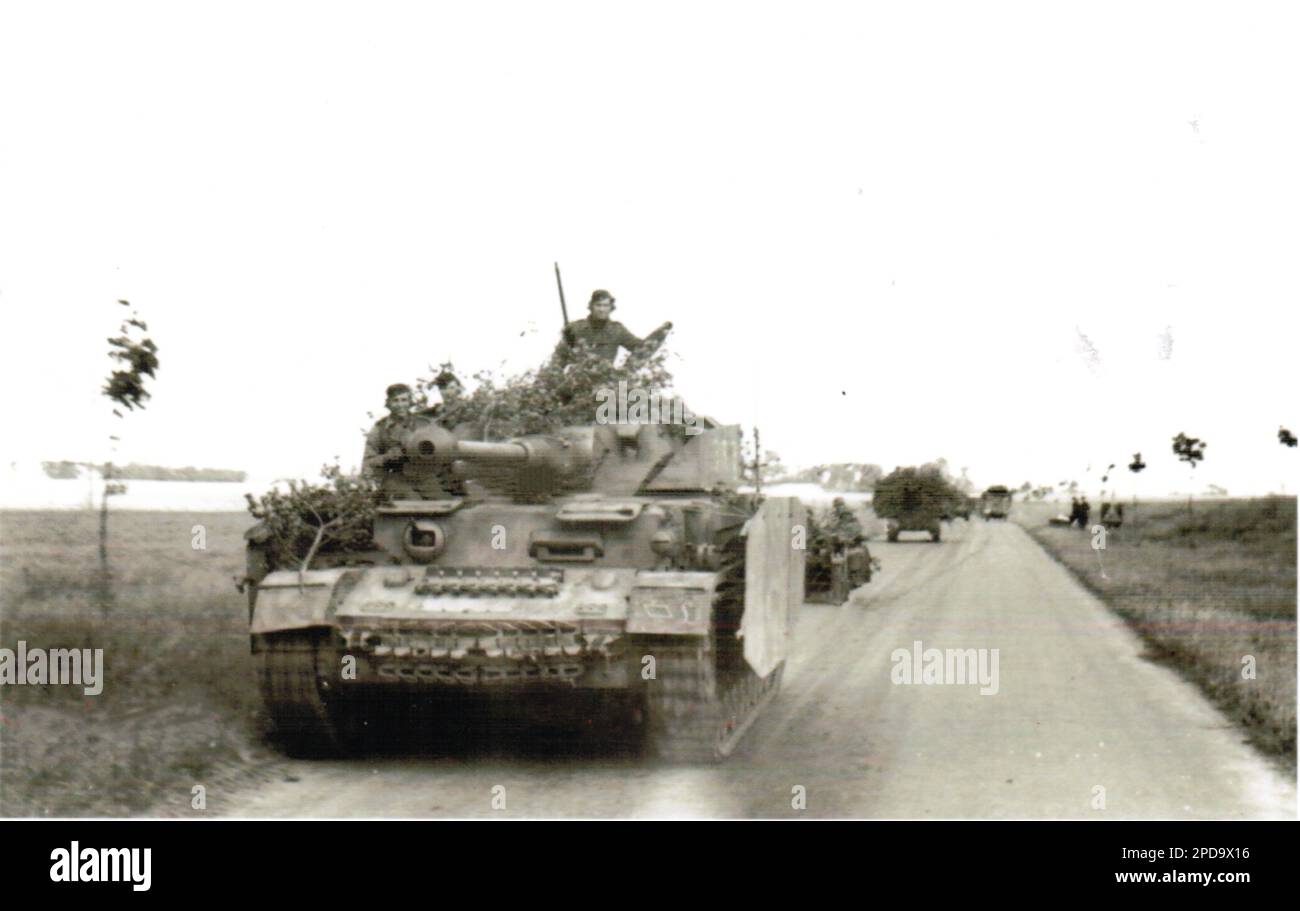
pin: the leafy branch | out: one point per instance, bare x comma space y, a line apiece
546, 398
304, 519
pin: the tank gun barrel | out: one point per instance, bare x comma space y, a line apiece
436, 444
535, 465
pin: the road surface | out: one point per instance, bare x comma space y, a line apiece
1081, 726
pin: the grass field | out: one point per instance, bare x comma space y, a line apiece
1205, 589
179, 700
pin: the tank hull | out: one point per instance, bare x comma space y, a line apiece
691, 646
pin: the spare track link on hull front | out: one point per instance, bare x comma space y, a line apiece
692, 716
294, 671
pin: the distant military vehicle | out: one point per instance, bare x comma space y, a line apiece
995, 503
913, 499
959, 506
615, 564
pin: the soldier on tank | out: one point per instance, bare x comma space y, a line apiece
446, 399
603, 335
450, 413
385, 458
845, 529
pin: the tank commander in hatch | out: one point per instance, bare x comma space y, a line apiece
602, 334
386, 458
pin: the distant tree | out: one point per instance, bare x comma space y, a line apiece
964, 483
134, 472
1136, 466
1286, 437
135, 357
60, 471
773, 469
1190, 450
853, 476
867, 476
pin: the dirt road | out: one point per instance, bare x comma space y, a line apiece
1081, 726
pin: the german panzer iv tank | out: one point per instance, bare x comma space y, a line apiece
615, 561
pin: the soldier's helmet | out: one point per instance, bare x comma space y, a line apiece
600, 296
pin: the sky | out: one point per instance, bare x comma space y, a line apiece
1029, 240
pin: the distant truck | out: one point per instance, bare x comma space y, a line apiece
960, 506
995, 503
912, 499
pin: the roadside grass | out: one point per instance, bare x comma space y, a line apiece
1205, 589
178, 699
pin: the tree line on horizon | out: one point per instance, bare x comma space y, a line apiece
66, 470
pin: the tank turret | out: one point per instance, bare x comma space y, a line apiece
614, 459
529, 468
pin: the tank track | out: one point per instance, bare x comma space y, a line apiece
694, 717
295, 670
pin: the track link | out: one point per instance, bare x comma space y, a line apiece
692, 716
295, 670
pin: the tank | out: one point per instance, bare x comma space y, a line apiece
911, 499
995, 503
612, 565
